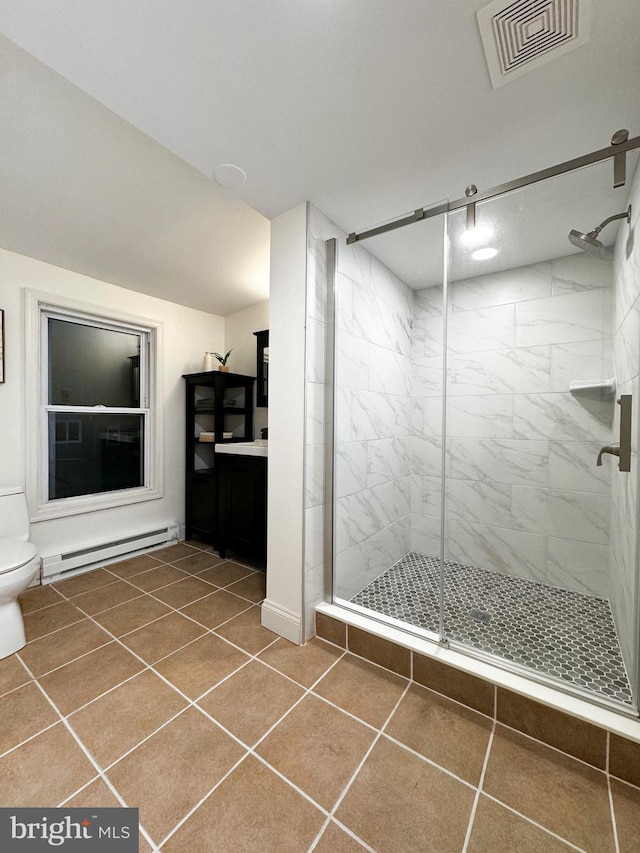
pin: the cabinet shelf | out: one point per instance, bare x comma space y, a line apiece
213, 389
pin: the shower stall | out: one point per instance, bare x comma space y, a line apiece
485, 361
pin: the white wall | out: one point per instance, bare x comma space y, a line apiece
187, 335
239, 329
319, 230
282, 611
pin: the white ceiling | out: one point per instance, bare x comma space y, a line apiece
367, 108
84, 190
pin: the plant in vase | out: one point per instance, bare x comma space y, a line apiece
223, 360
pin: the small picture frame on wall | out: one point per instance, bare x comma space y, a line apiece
1, 345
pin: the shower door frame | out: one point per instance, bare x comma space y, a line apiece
472, 196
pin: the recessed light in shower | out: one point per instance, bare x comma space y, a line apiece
484, 254
479, 234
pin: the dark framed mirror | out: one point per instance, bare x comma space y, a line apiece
262, 368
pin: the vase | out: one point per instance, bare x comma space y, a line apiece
208, 362
223, 368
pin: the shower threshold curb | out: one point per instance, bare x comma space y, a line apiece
624, 723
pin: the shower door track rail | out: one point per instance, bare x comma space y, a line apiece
611, 151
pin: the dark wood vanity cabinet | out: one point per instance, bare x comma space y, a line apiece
242, 504
219, 410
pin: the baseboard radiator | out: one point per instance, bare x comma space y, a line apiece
96, 555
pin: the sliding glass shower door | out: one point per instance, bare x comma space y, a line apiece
535, 550
484, 380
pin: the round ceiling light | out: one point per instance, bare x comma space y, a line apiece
230, 176
484, 254
479, 234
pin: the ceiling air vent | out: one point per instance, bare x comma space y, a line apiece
521, 36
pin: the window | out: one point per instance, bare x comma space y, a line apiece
97, 442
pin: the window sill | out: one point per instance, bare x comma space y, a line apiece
91, 503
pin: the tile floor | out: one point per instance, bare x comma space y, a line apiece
559, 632
151, 683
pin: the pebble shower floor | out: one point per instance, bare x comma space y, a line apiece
555, 631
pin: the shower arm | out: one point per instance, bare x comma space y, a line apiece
626, 215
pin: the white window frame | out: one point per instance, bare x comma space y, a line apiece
39, 307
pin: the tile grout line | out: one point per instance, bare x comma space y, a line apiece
87, 753
150, 593
613, 816
81, 707
55, 631
192, 811
550, 746
162, 616
28, 739
17, 687
518, 732
146, 665
500, 722
400, 744
152, 665
328, 822
73, 660
417, 683
360, 765
214, 629
251, 751
476, 799
157, 619
429, 761
192, 703
534, 823
308, 691
614, 822
186, 574
216, 589
44, 607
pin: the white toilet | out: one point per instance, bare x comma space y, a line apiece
19, 562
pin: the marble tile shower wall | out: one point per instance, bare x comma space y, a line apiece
523, 494
624, 519
373, 378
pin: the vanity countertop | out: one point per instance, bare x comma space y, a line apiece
259, 447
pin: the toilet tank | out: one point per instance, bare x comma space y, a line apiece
14, 517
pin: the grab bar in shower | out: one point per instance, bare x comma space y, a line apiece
623, 449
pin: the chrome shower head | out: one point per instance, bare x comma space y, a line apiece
589, 242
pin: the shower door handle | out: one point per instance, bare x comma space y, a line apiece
623, 449
613, 449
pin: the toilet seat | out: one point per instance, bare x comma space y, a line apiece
15, 553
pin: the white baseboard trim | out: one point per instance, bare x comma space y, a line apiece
282, 621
